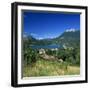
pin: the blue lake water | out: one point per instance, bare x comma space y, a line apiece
44, 46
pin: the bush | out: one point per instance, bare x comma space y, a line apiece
50, 52
70, 56
30, 56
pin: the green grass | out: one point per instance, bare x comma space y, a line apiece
50, 68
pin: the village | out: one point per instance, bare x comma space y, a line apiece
42, 53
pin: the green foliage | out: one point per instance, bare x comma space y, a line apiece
50, 52
30, 56
70, 56
61, 54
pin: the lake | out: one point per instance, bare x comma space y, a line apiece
45, 46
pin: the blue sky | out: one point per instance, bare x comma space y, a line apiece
42, 25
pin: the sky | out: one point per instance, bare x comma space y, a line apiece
42, 25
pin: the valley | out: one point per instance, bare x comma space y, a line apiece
49, 57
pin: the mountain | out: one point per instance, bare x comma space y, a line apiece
71, 34
28, 40
69, 38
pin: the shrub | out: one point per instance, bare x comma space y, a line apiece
30, 56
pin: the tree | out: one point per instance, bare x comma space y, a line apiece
30, 56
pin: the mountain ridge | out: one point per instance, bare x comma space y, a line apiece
69, 39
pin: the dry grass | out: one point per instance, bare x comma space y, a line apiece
50, 68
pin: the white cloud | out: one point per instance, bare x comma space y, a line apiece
33, 34
71, 30
40, 38
25, 34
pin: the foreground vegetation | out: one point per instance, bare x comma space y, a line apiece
50, 68
63, 61
35, 65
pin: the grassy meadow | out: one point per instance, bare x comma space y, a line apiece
50, 68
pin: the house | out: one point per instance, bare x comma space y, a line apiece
41, 51
54, 49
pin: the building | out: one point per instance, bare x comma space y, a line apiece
41, 51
